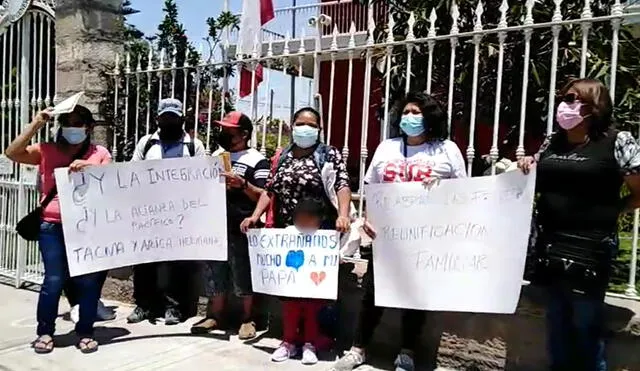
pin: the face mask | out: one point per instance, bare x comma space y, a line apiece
412, 125
74, 135
568, 115
305, 136
227, 140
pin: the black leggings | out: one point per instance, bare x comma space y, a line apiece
369, 317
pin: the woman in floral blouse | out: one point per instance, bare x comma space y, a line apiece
296, 175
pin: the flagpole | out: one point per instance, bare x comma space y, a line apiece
293, 77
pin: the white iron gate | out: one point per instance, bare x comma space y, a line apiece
361, 45
27, 77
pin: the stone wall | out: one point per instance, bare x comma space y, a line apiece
87, 34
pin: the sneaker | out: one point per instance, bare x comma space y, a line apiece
204, 326
171, 317
247, 331
348, 362
404, 362
284, 352
309, 356
138, 315
104, 313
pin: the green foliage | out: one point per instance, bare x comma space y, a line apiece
168, 47
598, 63
620, 274
271, 139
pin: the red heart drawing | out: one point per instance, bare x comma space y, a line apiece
318, 277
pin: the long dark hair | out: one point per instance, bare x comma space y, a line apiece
434, 115
85, 116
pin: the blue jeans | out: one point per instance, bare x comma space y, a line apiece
574, 328
56, 273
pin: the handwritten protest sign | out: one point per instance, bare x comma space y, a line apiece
286, 262
138, 212
459, 246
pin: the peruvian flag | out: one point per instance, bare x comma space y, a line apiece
255, 13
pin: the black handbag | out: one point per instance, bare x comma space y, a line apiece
29, 226
581, 259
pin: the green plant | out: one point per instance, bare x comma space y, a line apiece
169, 45
599, 57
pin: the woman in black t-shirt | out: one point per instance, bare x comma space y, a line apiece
580, 171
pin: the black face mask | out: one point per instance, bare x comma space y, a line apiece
170, 131
225, 140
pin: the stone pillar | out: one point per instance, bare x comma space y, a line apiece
87, 35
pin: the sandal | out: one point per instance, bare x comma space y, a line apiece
88, 345
43, 344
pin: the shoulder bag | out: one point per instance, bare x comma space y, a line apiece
29, 226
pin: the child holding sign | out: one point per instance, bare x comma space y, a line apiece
308, 217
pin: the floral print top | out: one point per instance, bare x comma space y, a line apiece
299, 178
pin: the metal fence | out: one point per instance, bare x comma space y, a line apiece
27, 77
352, 85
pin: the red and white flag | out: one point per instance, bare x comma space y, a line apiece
255, 13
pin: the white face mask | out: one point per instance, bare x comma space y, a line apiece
74, 135
305, 136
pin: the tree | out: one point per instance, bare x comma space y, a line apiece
599, 55
169, 66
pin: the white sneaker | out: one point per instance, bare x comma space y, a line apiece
284, 352
104, 313
309, 356
74, 313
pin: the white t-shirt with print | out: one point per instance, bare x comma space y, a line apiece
441, 159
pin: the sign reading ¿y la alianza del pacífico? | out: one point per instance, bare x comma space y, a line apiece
138, 212
458, 246
292, 263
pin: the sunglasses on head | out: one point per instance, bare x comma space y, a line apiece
570, 98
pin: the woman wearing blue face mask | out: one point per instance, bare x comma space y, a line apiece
72, 148
420, 152
297, 175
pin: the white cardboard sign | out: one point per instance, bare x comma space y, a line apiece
138, 212
459, 246
288, 262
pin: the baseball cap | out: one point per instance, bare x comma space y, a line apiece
236, 119
170, 105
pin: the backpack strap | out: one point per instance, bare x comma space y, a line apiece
191, 147
147, 146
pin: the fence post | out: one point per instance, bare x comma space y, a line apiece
25, 56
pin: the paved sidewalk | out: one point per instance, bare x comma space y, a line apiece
127, 347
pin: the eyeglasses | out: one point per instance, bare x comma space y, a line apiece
570, 98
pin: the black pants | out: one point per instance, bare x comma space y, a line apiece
370, 315
158, 287
71, 294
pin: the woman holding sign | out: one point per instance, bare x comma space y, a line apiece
421, 152
297, 175
72, 148
580, 171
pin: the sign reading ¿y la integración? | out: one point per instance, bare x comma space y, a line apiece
139, 212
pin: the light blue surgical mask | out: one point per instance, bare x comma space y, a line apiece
305, 136
74, 135
411, 125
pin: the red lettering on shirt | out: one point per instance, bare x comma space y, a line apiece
397, 170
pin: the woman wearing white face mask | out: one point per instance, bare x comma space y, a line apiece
580, 171
421, 152
72, 148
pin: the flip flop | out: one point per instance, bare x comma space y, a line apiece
85, 345
43, 344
